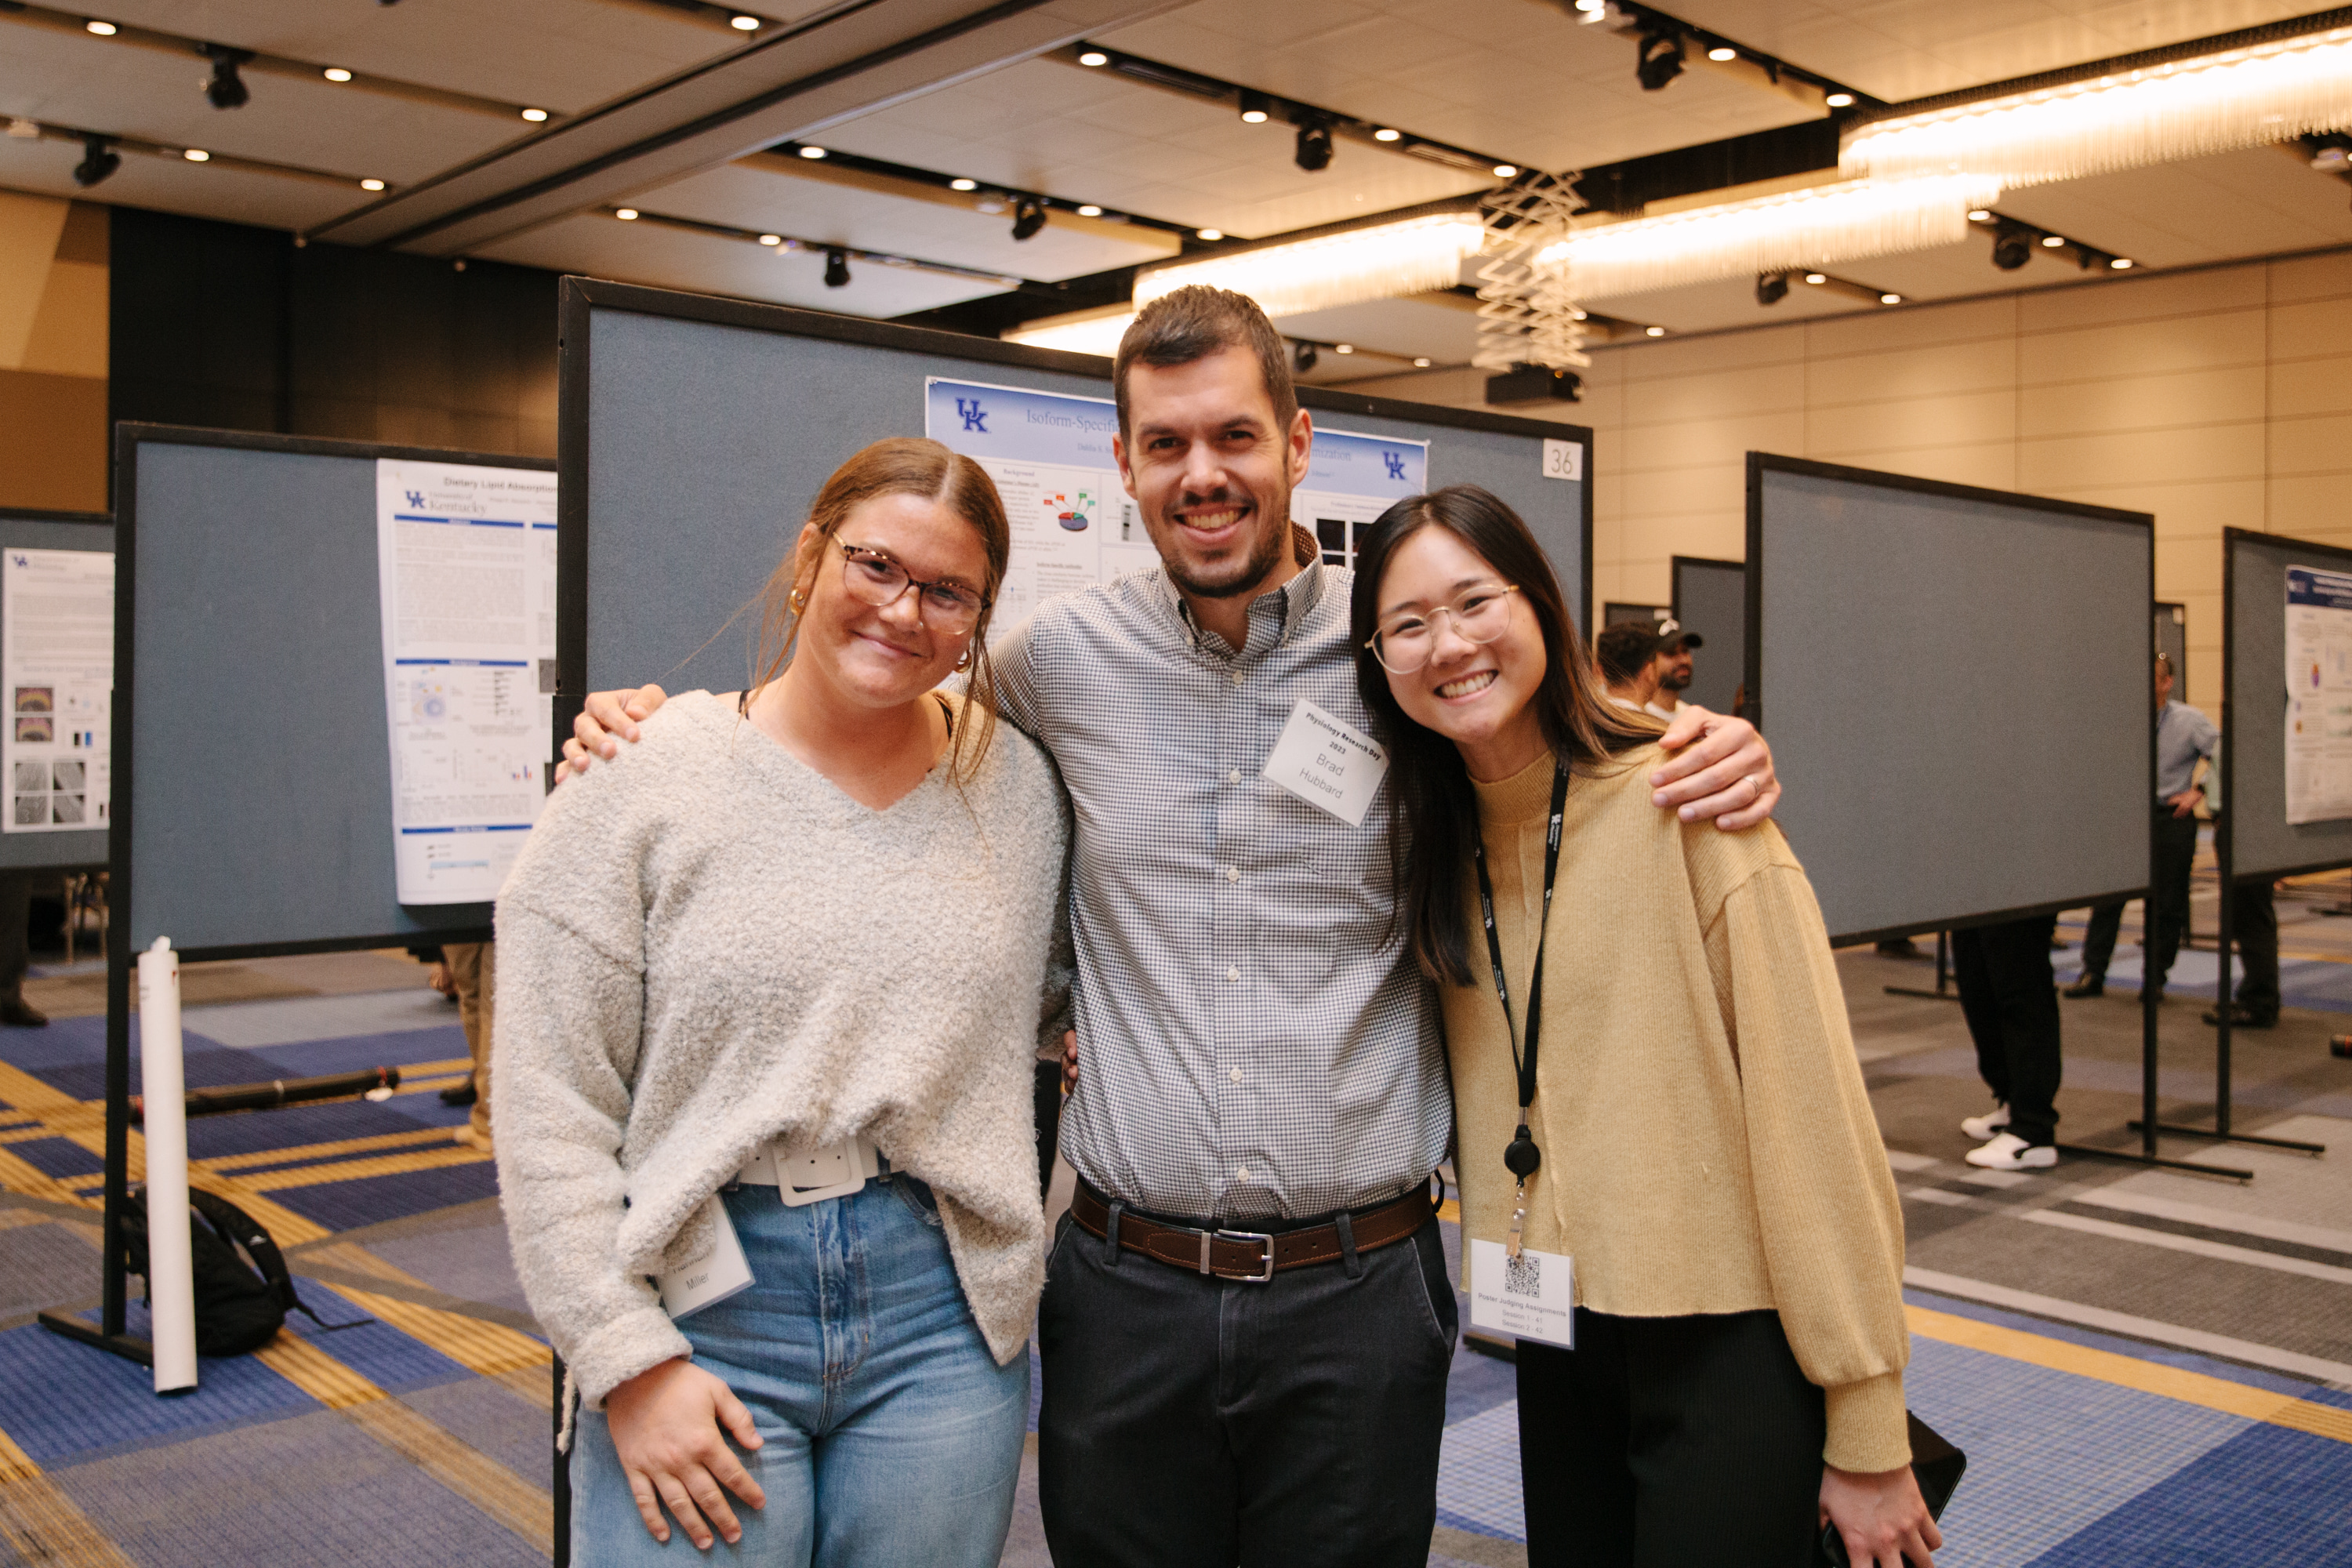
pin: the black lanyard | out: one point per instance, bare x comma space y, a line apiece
1523, 1157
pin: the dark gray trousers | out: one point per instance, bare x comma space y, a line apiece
2167, 908
1196, 1423
2003, 972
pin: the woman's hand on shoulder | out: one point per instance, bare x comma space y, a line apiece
1721, 769
670, 1425
1883, 1518
606, 719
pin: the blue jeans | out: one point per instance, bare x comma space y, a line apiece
891, 1434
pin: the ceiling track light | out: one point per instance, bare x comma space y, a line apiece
1303, 357
1313, 152
1661, 55
836, 269
1028, 217
98, 162
1256, 107
1772, 287
2012, 249
226, 88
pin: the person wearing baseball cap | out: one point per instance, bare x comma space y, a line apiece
1673, 667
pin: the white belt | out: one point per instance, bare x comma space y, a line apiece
804, 1173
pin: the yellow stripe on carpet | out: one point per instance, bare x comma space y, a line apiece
491, 1348
297, 1153
38, 1523
356, 1170
2129, 1371
473, 1475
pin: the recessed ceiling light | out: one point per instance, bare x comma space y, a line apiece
1840, 101
1719, 53
2121, 263
197, 155
812, 151
1980, 215
1890, 298
370, 184
1421, 362
2052, 241
1253, 117
1386, 134
1211, 234
534, 115
1656, 331
744, 24
104, 29
771, 239
336, 73
1343, 348
963, 185
1090, 210
626, 213
1817, 277
1575, 314
1507, 171
1094, 58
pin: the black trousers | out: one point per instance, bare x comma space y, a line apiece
2006, 992
1048, 1101
2253, 924
1192, 1422
16, 916
2167, 904
1670, 1443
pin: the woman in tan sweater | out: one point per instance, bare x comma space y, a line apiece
1682, 1115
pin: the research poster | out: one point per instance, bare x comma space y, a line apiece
465, 565
1072, 521
57, 663
2318, 695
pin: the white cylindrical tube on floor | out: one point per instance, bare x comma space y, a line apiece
170, 1285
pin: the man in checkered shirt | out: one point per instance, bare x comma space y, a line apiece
1248, 1321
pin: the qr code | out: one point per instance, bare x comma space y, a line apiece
1523, 1276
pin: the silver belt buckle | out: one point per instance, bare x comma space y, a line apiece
1245, 1235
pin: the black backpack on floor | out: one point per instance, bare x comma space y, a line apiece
240, 1306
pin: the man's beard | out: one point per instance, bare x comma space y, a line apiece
1675, 681
1233, 579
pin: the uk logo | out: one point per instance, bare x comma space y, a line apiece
1395, 460
416, 498
975, 417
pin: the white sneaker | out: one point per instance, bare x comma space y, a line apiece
2010, 1153
1983, 1127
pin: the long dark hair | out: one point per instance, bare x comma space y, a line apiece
1437, 809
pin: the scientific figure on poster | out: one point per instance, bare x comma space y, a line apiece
57, 616
2318, 695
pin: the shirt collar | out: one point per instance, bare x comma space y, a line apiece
1293, 602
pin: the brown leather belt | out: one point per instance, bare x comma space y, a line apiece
1254, 1257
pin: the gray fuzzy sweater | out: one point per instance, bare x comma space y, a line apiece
704, 945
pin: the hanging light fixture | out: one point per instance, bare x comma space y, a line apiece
1340, 267
2127, 116
1525, 314
1827, 224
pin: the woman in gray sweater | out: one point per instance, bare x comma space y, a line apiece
800, 942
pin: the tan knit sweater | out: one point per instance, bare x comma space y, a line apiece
1707, 1145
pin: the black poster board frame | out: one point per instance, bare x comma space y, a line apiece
110, 1335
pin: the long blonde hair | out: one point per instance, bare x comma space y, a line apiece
900, 465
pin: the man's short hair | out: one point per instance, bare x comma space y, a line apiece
2164, 666
1195, 321
1625, 650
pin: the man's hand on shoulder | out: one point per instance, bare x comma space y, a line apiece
1721, 769
606, 719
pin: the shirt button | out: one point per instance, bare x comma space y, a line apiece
1233, 974
1234, 776
1233, 873
1242, 1174
1236, 1075
1239, 678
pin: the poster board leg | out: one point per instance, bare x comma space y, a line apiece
559, 1488
2224, 989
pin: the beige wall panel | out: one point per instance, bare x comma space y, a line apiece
68, 336
1681, 491
53, 454
1967, 418
2138, 348
2305, 507
2159, 297
2311, 386
1650, 446
1992, 464
29, 227
2319, 444
2310, 328
2139, 458
2187, 510
1716, 394
2171, 401
1912, 327
2188, 567
2312, 278
1935, 371
1729, 351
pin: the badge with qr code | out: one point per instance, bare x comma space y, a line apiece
1530, 1297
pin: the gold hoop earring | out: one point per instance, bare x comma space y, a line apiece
964, 660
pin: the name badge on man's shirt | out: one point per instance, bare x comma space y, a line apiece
1530, 1297
1327, 764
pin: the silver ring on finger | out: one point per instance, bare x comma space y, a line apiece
1755, 789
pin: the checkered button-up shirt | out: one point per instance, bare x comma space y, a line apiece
1255, 1040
